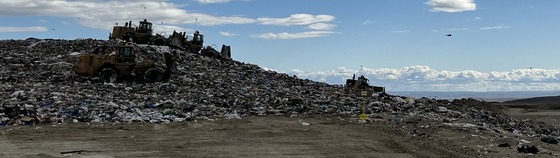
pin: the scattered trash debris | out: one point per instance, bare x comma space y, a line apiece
39, 86
549, 139
303, 123
77, 151
504, 145
232, 115
524, 148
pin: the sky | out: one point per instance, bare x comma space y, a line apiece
495, 45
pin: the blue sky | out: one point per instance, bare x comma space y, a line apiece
401, 44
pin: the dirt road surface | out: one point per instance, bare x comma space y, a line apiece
268, 136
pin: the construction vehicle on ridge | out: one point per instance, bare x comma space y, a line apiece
361, 87
143, 34
180, 40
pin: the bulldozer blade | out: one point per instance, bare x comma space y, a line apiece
226, 52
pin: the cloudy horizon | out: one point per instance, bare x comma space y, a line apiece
423, 78
443, 45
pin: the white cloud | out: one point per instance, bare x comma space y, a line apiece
451, 5
297, 19
458, 29
65, 22
477, 18
285, 35
24, 29
501, 26
102, 14
168, 29
401, 31
424, 78
269, 69
228, 34
212, 1
315, 22
322, 26
451, 29
366, 22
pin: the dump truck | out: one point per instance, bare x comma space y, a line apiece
129, 61
143, 34
361, 87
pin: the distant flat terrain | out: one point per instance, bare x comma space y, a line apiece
538, 109
550, 117
548, 100
487, 96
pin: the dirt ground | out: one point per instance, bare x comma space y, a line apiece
269, 136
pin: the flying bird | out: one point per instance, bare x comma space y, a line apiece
449, 35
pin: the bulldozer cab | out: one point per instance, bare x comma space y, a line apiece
145, 27
125, 54
362, 82
198, 39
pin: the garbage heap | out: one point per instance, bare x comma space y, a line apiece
39, 86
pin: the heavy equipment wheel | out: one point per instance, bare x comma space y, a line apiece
154, 75
109, 75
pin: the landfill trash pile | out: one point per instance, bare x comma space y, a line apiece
39, 86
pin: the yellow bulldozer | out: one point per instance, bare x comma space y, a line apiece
361, 87
180, 40
112, 63
143, 34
